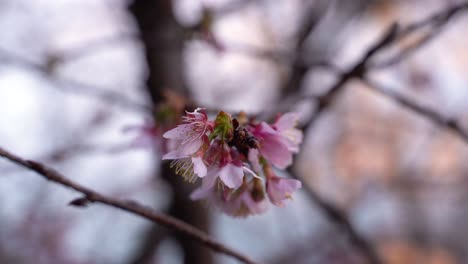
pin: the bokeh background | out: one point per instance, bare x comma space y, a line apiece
76, 74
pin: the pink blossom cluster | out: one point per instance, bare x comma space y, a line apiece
235, 158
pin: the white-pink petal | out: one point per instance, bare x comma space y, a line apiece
246, 169
279, 189
207, 186
179, 132
173, 155
253, 159
275, 150
190, 147
231, 175
287, 121
255, 207
199, 166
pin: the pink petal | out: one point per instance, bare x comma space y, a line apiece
173, 155
199, 166
255, 207
190, 147
275, 150
253, 159
264, 128
179, 132
293, 139
251, 172
207, 185
231, 175
287, 121
279, 189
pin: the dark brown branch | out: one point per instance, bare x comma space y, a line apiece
163, 40
436, 19
437, 22
126, 205
408, 51
311, 18
427, 112
359, 71
341, 221
356, 71
393, 35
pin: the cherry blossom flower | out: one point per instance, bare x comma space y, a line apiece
286, 127
230, 174
189, 136
273, 146
247, 200
280, 189
279, 141
229, 154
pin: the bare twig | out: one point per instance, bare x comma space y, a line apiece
437, 22
358, 70
436, 19
90, 46
126, 205
46, 69
430, 114
408, 51
311, 18
341, 221
394, 34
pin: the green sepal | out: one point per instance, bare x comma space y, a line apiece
223, 126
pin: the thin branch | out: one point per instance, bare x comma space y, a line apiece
341, 221
126, 205
427, 112
436, 19
104, 94
408, 51
394, 34
91, 46
47, 70
356, 71
438, 23
359, 71
333, 213
313, 15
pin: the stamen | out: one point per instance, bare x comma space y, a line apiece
184, 168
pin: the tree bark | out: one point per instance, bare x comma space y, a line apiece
163, 40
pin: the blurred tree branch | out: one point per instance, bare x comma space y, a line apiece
359, 70
356, 71
91, 196
426, 112
436, 22
47, 69
163, 40
393, 35
341, 221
